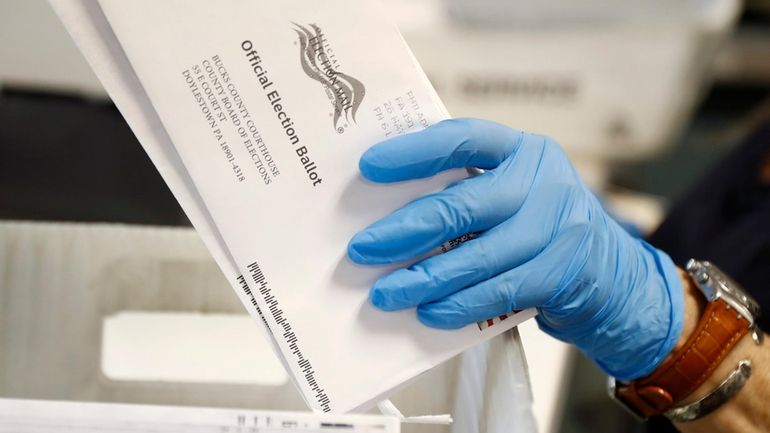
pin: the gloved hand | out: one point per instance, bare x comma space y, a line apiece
544, 242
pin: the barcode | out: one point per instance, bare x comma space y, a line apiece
247, 290
289, 336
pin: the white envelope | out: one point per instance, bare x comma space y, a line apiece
41, 416
256, 114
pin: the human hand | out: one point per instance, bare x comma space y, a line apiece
544, 242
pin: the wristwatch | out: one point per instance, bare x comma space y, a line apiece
730, 315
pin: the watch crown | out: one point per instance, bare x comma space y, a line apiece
698, 270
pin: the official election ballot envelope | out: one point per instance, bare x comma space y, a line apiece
256, 114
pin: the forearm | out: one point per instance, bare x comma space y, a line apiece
748, 411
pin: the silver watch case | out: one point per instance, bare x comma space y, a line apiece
714, 284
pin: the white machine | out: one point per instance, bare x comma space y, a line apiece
607, 79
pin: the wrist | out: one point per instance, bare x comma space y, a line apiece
695, 305
732, 415
639, 324
692, 381
672, 311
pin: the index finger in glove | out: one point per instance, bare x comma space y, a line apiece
453, 143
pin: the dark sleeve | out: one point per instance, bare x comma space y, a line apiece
725, 218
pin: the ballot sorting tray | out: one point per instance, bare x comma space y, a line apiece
38, 416
65, 286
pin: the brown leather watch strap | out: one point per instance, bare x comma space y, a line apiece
718, 331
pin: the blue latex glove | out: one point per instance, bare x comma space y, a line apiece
545, 242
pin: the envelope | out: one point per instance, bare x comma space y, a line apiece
256, 114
